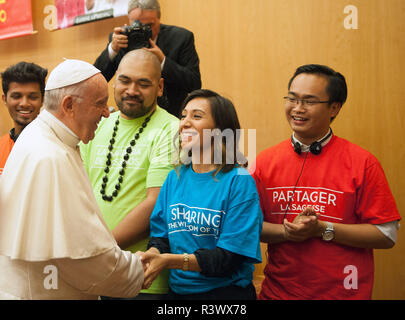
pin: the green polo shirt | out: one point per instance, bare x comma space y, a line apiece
148, 166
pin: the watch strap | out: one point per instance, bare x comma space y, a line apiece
329, 233
186, 259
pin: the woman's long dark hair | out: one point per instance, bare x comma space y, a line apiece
226, 120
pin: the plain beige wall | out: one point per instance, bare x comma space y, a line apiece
248, 52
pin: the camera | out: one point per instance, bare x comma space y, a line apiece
138, 35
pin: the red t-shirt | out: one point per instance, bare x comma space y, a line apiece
344, 184
6, 144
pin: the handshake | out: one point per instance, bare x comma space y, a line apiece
153, 263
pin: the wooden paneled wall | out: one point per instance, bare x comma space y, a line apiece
248, 52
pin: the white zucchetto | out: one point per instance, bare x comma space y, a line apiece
69, 72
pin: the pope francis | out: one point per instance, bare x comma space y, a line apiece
54, 243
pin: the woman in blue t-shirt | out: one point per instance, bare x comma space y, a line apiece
206, 224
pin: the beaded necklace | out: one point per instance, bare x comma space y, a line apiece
124, 163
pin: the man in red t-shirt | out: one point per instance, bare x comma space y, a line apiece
23, 93
326, 202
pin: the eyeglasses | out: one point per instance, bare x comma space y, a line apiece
305, 102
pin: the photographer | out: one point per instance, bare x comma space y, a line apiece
174, 47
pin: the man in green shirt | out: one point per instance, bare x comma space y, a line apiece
131, 155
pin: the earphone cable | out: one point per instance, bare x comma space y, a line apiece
295, 187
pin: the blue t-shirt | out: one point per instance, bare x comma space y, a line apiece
196, 211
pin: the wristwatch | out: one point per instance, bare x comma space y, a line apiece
329, 233
185, 261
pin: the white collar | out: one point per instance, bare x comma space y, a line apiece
64, 133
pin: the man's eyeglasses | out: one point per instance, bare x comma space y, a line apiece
305, 102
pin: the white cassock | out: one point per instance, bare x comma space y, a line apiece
54, 243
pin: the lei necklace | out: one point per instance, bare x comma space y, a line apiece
124, 163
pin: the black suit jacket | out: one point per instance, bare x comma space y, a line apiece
181, 71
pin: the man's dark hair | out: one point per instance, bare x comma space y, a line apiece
24, 72
336, 88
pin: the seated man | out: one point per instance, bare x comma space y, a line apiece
174, 47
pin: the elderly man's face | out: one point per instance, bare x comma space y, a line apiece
90, 108
149, 17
